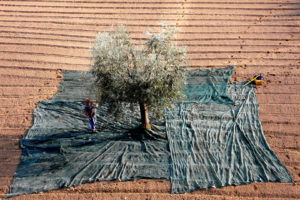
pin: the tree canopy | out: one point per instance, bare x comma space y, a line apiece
151, 74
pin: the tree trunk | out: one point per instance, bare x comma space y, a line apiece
144, 116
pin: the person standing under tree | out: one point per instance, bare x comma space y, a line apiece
90, 113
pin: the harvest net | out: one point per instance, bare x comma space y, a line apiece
213, 138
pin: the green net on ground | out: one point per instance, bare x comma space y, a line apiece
213, 138
219, 144
208, 86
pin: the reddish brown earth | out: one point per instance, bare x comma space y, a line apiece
38, 39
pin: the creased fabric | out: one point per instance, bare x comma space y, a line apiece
220, 144
213, 138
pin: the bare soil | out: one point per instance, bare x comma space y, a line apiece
39, 39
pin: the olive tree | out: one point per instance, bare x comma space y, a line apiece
151, 75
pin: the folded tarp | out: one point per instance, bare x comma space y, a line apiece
213, 138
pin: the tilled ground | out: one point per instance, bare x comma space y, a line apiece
38, 39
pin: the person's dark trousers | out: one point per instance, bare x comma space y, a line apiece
92, 124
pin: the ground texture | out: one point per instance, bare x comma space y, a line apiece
39, 39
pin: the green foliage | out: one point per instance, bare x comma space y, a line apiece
152, 73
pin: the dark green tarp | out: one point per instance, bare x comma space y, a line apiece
220, 144
208, 86
213, 138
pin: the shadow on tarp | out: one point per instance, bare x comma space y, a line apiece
213, 138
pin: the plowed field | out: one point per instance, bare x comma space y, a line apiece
39, 39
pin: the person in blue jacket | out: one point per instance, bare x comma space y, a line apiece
90, 113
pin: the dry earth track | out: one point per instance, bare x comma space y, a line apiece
38, 39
